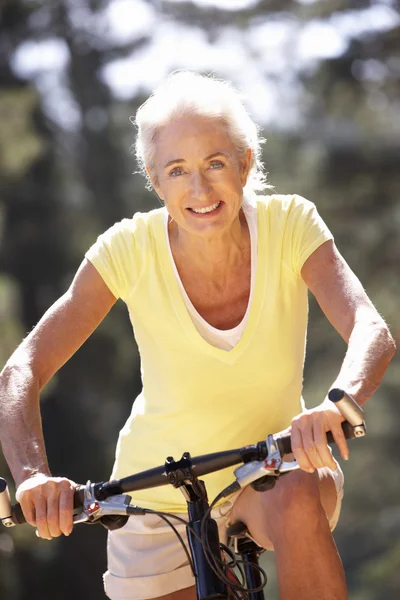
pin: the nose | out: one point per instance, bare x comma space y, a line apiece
200, 187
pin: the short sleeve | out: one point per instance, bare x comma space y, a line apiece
114, 255
305, 231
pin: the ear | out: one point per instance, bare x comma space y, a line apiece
154, 181
245, 166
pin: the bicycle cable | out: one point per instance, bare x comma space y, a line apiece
218, 565
166, 516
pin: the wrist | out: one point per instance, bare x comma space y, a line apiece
31, 472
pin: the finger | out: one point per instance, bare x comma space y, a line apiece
340, 441
307, 434
66, 506
53, 517
321, 445
298, 451
41, 517
28, 510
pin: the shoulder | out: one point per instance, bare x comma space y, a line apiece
284, 213
121, 253
283, 204
138, 229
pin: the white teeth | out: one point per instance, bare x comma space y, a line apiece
207, 209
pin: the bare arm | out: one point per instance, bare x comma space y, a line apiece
57, 336
345, 303
370, 350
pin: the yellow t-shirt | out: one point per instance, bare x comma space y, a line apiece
196, 397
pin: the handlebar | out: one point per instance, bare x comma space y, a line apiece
260, 460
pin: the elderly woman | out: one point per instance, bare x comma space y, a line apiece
216, 283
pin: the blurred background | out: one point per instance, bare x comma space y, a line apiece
323, 80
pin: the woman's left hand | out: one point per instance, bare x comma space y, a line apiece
308, 433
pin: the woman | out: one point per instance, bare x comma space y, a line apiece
216, 287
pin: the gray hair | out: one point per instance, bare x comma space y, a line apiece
188, 93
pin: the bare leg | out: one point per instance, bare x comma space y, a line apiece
292, 520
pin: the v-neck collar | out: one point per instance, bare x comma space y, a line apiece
228, 356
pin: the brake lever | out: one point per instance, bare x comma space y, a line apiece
273, 465
93, 509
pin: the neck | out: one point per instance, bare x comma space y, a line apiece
214, 255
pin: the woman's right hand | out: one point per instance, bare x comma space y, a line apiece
47, 504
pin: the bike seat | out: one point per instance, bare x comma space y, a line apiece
239, 537
237, 530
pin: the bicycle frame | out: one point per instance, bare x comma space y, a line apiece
208, 585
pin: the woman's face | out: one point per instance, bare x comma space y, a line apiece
199, 175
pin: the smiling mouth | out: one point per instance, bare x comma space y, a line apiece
206, 209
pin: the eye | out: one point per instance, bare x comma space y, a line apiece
216, 164
175, 172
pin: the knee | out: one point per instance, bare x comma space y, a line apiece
281, 515
296, 492
294, 505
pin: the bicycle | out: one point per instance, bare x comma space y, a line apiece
218, 573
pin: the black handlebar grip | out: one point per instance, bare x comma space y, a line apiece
17, 515
285, 442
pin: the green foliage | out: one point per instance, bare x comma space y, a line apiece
10, 326
20, 145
